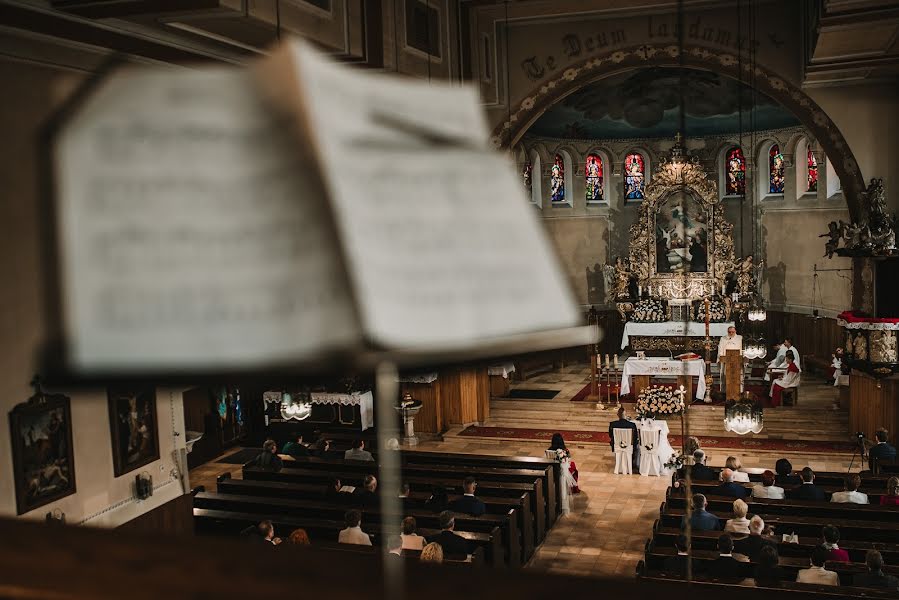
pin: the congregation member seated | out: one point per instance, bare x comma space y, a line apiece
299, 537
367, 495
882, 450
851, 495
790, 379
817, 573
353, 533
807, 490
438, 501
727, 487
358, 452
784, 470
691, 446
624, 423
739, 524
701, 519
453, 545
268, 459
698, 470
875, 577
767, 489
780, 359
295, 447
404, 490
891, 498
677, 565
767, 572
263, 533
394, 546
320, 447
557, 444
333, 493
469, 503
831, 536
751, 545
725, 566
733, 463
432, 553
411, 540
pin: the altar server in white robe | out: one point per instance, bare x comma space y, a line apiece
731, 341
790, 379
779, 361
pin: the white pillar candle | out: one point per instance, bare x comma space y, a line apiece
616, 361
639, 291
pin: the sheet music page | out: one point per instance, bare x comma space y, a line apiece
442, 246
193, 230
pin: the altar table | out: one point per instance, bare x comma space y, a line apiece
685, 370
364, 400
499, 379
673, 329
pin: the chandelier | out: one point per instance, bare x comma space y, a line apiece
744, 415
755, 348
757, 314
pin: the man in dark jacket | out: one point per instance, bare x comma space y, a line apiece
469, 503
624, 423
882, 451
728, 488
808, 490
699, 471
726, 566
677, 565
701, 519
752, 545
453, 545
295, 447
875, 577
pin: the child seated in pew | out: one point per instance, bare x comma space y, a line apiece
831, 536
851, 495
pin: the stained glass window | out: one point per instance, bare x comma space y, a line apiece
557, 179
812, 172
634, 179
593, 178
736, 173
776, 170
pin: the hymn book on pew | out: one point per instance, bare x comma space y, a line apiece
243, 218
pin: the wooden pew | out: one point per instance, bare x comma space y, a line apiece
231, 523
874, 493
416, 500
545, 475
805, 525
507, 524
420, 483
707, 540
475, 560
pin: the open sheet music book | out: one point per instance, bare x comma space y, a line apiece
223, 218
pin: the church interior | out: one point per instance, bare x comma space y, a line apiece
561, 295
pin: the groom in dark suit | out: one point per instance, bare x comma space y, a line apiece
623, 423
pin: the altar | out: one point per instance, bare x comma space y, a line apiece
641, 369
689, 335
355, 409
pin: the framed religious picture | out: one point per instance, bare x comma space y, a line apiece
134, 428
43, 459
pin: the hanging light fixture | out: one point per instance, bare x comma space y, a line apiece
744, 415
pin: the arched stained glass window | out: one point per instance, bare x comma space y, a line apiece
736, 172
557, 179
775, 170
634, 176
593, 178
812, 172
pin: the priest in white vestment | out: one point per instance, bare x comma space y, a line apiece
731, 341
780, 359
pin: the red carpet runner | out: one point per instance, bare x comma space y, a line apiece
737, 443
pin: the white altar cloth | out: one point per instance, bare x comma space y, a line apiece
418, 378
364, 400
672, 329
503, 370
663, 367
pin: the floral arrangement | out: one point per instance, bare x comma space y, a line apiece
717, 310
659, 400
650, 310
562, 454
676, 462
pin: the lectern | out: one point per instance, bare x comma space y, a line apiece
733, 371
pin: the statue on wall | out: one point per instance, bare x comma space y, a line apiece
860, 351
834, 235
873, 235
621, 278
883, 346
747, 276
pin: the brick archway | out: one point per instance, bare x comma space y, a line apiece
553, 90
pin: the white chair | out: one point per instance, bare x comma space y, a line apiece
624, 449
550, 454
650, 459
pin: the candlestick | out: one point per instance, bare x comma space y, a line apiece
607, 361
616, 361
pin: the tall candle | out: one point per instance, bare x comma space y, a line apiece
722, 289
616, 361
607, 361
640, 291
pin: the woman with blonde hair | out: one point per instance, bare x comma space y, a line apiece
733, 463
892, 496
739, 524
433, 552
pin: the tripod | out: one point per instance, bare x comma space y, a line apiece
859, 449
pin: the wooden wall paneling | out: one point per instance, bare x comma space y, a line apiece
451, 394
873, 405
430, 417
471, 391
175, 517
818, 337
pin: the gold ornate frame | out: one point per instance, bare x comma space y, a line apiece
680, 174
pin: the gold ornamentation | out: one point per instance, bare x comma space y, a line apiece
883, 347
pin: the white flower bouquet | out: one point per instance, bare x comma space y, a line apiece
659, 400
650, 310
717, 310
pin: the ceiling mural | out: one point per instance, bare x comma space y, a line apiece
646, 103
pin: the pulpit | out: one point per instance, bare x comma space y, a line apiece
732, 364
453, 396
